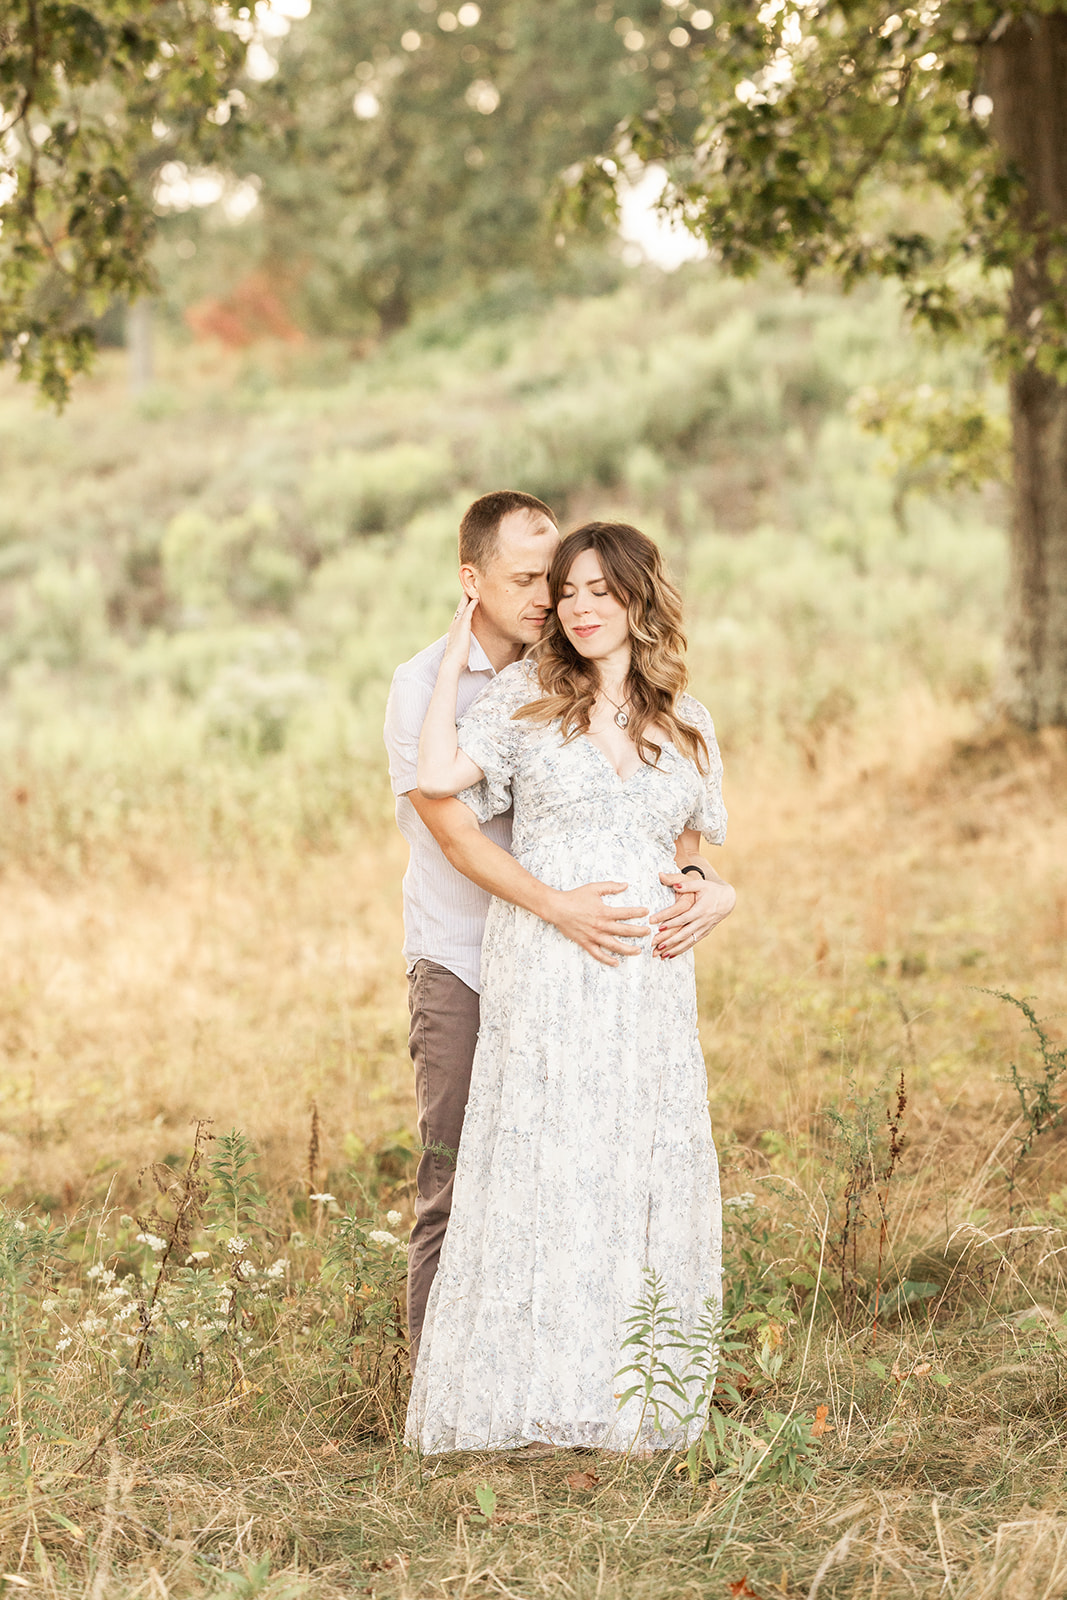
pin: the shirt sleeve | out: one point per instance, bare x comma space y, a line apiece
405, 712
491, 738
708, 815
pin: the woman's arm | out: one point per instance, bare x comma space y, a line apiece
701, 899
443, 768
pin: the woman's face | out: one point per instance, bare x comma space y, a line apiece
589, 614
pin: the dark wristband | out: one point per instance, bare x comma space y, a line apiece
703, 874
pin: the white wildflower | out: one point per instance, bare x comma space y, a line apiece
92, 1324
50, 1306
184, 1323
323, 1199
740, 1202
195, 1258
117, 1291
237, 1246
62, 1344
120, 1313
393, 1218
380, 1236
152, 1240
278, 1270
19, 1225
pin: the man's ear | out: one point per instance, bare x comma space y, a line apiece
468, 577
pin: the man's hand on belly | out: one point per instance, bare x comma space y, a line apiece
601, 930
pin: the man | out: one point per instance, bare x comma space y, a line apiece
506, 543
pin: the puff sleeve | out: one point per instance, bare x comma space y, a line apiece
489, 736
708, 816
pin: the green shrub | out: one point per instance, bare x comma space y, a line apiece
352, 492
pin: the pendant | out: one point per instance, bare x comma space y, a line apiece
621, 719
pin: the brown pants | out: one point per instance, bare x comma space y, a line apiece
444, 1032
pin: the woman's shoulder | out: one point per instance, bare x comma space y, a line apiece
516, 685
523, 671
695, 712
511, 687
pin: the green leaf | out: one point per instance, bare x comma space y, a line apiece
486, 1499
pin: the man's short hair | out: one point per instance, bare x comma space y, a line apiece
480, 527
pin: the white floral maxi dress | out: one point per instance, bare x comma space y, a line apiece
587, 1154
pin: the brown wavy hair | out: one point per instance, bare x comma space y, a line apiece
634, 574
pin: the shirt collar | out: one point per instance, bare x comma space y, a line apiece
477, 660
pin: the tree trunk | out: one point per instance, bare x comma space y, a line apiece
1025, 72
139, 345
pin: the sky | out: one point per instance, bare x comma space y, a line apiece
649, 236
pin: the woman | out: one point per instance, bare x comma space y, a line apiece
586, 1157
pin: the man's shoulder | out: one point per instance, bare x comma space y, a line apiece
422, 668
409, 697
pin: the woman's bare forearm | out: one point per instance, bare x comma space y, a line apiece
443, 769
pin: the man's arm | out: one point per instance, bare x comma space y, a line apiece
579, 914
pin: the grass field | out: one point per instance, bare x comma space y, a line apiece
202, 1364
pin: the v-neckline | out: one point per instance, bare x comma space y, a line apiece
620, 780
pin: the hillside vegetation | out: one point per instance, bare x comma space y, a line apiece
230, 566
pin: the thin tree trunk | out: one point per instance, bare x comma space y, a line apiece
139, 345
1025, 72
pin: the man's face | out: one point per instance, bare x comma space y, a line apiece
513, 590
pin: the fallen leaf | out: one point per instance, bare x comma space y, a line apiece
582, 1480
741, 1591
920, 1369
821, 1425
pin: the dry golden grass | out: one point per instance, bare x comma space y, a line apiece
879, 893
915, 867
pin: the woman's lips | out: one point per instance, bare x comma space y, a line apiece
586, 633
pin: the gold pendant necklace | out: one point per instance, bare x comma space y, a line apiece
620, 719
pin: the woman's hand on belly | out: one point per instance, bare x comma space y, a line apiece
700, 904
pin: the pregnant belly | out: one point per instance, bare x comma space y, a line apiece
600, 857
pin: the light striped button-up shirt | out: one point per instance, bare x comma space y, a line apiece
444, 913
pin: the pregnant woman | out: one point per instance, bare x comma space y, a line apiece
586, 1158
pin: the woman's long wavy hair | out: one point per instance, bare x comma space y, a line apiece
633, 573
